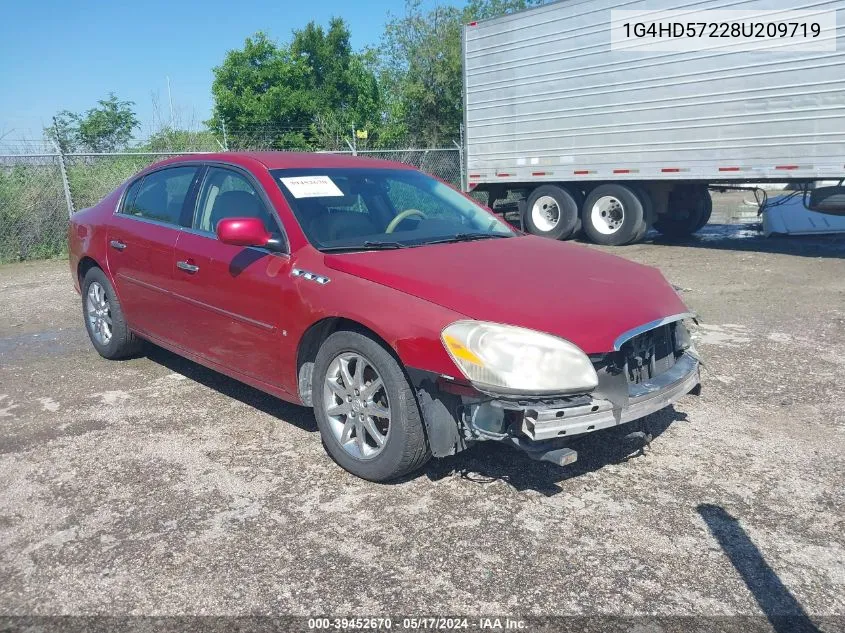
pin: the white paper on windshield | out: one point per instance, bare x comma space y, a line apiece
311, 187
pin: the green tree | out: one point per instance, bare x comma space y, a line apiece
343, 83
296, 95
421, 68
106, 128
261, 94
64, 131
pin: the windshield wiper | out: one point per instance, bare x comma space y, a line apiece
469, 237
367, 245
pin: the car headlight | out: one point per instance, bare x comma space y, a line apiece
518, 360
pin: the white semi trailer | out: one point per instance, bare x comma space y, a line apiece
596, 117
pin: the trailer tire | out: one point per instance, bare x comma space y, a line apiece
551, 211
708, 208
688, 210
648, 212
613, 215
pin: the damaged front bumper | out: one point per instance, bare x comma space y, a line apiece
456, 415
551, 422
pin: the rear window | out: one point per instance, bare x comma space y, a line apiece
160, 195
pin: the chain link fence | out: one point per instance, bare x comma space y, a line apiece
34, 206
445, 164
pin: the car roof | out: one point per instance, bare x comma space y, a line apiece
290, 160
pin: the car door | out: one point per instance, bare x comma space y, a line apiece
232, 296
141, 239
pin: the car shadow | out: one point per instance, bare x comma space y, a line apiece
484, 463
784, 612
488, 462
302, 417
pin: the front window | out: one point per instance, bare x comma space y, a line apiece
369, 209
227, 194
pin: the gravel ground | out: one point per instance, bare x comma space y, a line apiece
156, 487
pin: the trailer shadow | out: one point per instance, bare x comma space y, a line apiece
493, 461
782, 609
749, 237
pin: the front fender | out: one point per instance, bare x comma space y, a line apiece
410, 326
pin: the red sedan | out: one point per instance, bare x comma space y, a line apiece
408, 316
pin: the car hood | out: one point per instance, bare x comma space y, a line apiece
578, 293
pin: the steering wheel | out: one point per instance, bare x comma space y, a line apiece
407, 213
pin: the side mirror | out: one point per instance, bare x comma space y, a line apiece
829, 200
243, 232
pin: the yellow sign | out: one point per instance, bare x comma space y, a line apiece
361, 134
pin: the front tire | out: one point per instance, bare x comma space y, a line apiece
104, 319
365, 408
613, 215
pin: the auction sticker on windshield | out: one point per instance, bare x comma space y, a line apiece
311, 187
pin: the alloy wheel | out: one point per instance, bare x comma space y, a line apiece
98, 310
356, 405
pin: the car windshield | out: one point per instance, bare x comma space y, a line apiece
373, 209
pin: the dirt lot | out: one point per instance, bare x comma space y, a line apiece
155, 486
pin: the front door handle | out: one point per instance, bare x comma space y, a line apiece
188, 267
117, 244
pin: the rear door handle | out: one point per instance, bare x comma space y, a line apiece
117, 244
188, 267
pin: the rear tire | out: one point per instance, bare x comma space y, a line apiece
648, 212
104, 320
370, 421
613, 215
552, 212
689, 209
708, 209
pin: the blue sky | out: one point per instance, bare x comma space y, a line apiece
66, 54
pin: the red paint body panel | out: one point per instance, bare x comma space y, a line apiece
142, 273
583, 295
87, 234
230, 309
244, 313
242, 232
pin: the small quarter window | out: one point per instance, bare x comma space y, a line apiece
129, 198
160, 195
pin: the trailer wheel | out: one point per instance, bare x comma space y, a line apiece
648, 211
613, 215
689, 209
551, 211
708, 208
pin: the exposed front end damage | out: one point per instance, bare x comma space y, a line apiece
651, 367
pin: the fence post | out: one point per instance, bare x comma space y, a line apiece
353, 145
461, 158
461, 165
65, 181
